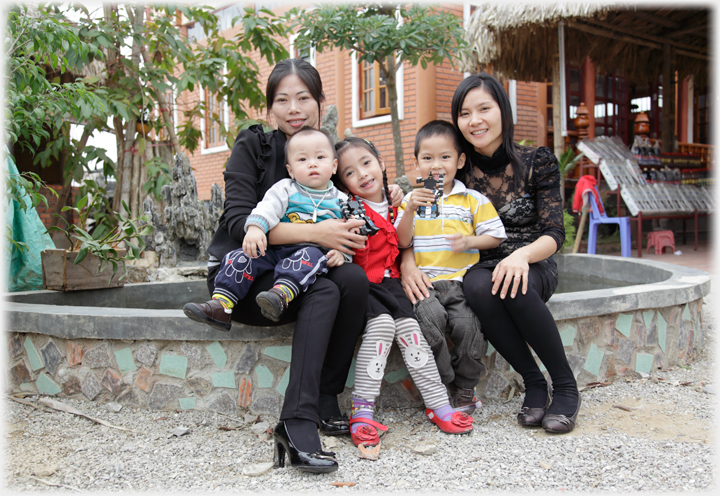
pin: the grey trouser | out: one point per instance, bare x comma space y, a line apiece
448, 310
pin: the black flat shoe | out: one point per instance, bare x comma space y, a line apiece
335, 426
532, 417
561, 424
319, 462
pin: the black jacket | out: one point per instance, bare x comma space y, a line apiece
256, 163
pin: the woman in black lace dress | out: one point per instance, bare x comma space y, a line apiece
508, 288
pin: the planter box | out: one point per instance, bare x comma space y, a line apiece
61, 274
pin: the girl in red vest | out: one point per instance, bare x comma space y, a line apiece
390, 316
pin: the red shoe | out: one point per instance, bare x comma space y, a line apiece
459, 422
366, 434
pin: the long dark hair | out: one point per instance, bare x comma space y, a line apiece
353, 142
497, 92
302, 69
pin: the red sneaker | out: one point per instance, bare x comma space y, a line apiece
459, 422
366, 434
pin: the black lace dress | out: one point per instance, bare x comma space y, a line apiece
532, 210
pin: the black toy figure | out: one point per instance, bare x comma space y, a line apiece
354, 209
431, 183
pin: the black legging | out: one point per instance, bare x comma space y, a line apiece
329, 318
511, 324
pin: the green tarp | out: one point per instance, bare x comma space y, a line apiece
23, 269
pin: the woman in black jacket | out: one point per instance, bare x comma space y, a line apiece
330, 315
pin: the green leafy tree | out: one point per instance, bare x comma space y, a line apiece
110, 68
388, 35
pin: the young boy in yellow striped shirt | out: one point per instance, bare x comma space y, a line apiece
445, 247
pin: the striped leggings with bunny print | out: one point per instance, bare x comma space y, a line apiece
377, 340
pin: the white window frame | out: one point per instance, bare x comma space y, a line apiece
313, 51
226, 120
382, 119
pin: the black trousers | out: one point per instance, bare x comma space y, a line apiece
512, 324
329, 318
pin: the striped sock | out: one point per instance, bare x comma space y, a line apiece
287, 291
361, 409
226, 303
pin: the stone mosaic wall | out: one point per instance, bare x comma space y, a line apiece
233, 375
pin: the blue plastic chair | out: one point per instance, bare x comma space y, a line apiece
597, 218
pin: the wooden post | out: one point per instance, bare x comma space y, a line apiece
558, 139
668, 94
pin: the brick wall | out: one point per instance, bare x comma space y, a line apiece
335, 68
45, 213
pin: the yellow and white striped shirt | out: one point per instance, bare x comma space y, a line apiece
464, 211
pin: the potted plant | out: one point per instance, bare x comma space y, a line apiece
93, 259
142, 125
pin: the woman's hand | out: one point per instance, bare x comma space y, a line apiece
338, 235
255, 240
334, 258
396, 194
512, 270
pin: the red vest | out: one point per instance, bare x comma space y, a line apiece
381, 250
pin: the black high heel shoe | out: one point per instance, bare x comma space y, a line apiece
319, 462
335, 426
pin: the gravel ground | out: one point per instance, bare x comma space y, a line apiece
641, 434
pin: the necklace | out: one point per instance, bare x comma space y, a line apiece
317, 205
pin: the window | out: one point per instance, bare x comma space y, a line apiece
611, 106
702, 104
374, 100
214, 120
307, 54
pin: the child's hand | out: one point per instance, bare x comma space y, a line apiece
335, 258
396, 195
255, 240
459, 243
420, 197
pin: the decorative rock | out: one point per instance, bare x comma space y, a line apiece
259, 428
51, 356
279, 352
200, 386
255, 469
625, 350
111, 381
97, 358
396, 375
187, 403
245, 393
224, 379
91, 387
267, 403
32, 354
19, 373
15, 345
46, 385
143, 379
500, 363
223, 404
284, 381
146, 354
174, 366
409, 387
74, 353
71, 385
576, 362
128, 396
189, 225
217, 353
125, 361
193, 353
162, 394
264, 376
247, 359
589, 328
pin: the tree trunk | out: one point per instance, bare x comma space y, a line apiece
668, 94
391, 83
135, 183
558, 139
120, 140
67, 187
167, 120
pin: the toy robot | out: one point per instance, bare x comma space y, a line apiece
431, 211
354, 209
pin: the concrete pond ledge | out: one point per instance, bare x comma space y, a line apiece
133, 345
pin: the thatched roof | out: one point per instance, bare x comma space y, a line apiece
520, 40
